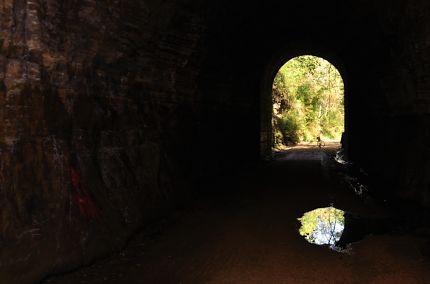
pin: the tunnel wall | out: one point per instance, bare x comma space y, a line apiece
98, 103
389, 104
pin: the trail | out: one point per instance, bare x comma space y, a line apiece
245, 230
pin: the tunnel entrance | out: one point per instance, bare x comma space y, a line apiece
307, 103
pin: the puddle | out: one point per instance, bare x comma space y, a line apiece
355, 185
340, 158
353, 182
323, 226
337, 229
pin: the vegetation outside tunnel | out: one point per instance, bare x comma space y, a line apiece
308, 102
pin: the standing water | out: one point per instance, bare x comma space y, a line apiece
323, 226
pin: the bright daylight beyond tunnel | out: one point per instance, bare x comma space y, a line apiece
308, 103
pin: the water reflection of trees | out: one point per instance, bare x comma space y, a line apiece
322, 226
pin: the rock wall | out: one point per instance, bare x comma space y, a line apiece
97, 103
390, 103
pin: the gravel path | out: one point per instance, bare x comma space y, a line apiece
245, 230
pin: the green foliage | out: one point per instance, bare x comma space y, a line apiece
307, 99
289, 126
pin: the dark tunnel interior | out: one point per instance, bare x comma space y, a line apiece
114, 113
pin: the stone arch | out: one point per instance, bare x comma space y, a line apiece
277, 60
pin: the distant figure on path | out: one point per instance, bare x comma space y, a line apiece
319, 141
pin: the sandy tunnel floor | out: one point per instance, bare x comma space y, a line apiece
245, 230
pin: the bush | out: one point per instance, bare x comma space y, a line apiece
289, 126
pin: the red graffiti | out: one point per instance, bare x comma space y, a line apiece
81, 196
74, 176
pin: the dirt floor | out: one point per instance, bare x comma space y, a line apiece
246, 231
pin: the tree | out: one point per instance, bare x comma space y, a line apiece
307, 96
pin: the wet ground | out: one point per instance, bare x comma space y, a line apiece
245, 230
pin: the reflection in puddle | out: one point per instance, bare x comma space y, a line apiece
354, 183
340, 158
323, 226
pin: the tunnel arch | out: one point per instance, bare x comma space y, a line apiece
277, 60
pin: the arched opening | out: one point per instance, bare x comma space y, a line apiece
279, 57
307, 103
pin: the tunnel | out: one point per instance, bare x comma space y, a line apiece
114, 114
